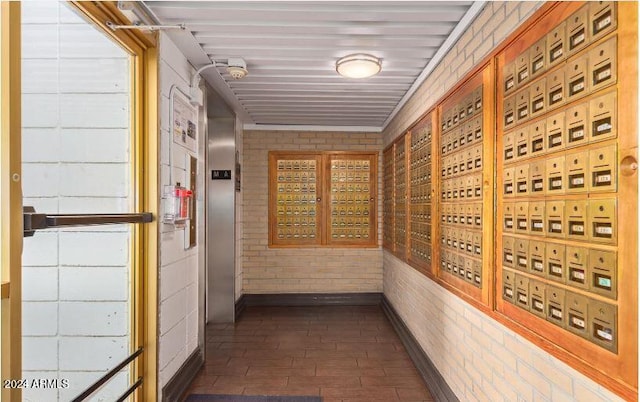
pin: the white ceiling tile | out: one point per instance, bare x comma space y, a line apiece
291, 48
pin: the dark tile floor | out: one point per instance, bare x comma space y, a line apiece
340, 353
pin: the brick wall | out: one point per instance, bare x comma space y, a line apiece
479, 358
308, 270
179, 268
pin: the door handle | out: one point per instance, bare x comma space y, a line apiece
35, 221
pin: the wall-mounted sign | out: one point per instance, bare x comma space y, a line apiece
221, 175
185, 122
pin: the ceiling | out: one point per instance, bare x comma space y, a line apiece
291, 48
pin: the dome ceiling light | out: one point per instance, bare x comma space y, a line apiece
358, 65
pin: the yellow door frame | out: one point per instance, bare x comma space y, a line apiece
10, 197
144, 118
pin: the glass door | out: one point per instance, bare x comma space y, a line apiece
81, 284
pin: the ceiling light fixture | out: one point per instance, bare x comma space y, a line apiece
358, 65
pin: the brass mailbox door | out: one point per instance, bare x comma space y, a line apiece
577, 31
296, 193
556, 85
352, 199
555, 138
508, 284
577, 266
522, 291
537, 290
556, 47
555, 222
603, 273
509, 77
537, 58
603, 64
576, 76
577, 314
556, 306
538, 97
537, 257
603, 117
555, 264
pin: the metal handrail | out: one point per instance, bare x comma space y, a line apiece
132, 388
93, 388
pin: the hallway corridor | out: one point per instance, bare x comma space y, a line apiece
340, 353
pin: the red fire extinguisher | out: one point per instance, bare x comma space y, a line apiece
184, 195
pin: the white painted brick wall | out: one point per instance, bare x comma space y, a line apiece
41, 250
178, 267
81, 41
173, 311
40, 179
39, 76
40, 145
80, 380
79, 179
94, 110
479, 358
306, 270
95, 205
94, 283
39, 319
40, 41
92, 318
172, 350
42, 283
93, 145
75, 160
40, 353
106, 352
77, 75
39, 110
94, 248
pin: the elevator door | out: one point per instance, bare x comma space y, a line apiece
221, 221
